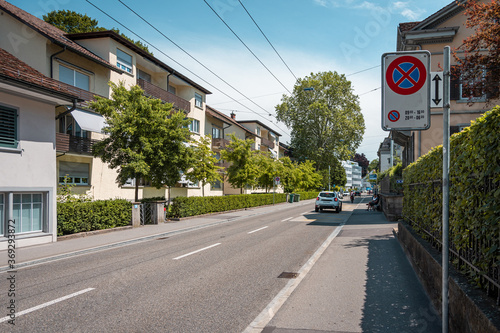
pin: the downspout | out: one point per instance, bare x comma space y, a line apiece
168, 78
52, 60
73, 107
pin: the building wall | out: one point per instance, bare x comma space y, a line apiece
31, 168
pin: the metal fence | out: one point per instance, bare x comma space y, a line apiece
462, 259
148, 213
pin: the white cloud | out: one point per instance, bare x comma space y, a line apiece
321, 3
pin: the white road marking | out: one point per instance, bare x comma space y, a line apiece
41, 306
190, 253
251, 232
287, 219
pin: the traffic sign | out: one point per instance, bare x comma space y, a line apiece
406, 90
437, 89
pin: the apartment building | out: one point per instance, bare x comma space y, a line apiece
446, 27
353, 174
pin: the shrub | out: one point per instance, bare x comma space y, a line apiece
73, 217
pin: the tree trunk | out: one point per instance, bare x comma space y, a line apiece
202, 189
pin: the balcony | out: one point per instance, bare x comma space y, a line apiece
66, 143
224, 164
267, 143
219, 143
157, 92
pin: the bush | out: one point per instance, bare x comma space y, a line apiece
74, 217
192, 206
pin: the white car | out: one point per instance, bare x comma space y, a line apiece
328, 199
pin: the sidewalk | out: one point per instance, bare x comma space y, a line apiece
363, 282
75, 246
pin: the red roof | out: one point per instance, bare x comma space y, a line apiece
15, 70
54, 34
406, 26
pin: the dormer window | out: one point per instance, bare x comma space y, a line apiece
124, 61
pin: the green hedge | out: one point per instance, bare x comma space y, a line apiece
191, 206
474, 189
73, 217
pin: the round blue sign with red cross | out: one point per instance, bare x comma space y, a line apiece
406, 75
393, 116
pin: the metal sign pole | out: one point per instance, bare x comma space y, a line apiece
446, 187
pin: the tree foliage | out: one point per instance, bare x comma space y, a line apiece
362, 162
144, 138
326, 122
373, 165
243, 170
203, 168
480, 66
73, 22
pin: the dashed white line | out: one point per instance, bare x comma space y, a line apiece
251, 232
287, 219
190, 253
44, 305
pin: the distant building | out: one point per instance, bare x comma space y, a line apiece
353, 174
384, 154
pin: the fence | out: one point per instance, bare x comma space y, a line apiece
152, 212
463, 258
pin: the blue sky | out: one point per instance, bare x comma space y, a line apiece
347, 36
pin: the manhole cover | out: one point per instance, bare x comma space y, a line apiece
288, 275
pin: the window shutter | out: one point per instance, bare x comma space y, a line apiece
454, 84
8, 127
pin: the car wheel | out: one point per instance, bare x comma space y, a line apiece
338, 209
316, 209
321, 209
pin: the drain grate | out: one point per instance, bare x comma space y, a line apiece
288, 275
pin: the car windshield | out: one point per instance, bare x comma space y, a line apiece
327, 195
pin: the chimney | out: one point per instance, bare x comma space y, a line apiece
233, 115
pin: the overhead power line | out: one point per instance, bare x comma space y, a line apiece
263, 34
234, 33
173, 60
364, 70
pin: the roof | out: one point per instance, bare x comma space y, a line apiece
228, 120
55, 35
261, 124
117, 37
17, 72
406, 26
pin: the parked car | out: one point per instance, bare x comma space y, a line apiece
346, 193
357, 193
328, 199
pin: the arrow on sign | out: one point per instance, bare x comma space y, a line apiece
436, 80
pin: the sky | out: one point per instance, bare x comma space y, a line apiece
311, 36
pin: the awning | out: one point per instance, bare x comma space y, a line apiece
273, 153
88, 121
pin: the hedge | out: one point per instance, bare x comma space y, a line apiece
474, 190
192, 206
73, 217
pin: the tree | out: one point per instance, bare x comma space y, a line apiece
479, 65
145, 140
309, 179
362, 162
334, 176
373, 165
203, 167
326, 121
72, 22
243, 170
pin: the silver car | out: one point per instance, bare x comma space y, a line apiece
328, 199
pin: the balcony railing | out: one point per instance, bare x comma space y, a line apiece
166, 96
219, 143
267, 143
66, 143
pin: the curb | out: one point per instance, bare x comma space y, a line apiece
91, 233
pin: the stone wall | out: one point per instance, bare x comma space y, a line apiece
470, 310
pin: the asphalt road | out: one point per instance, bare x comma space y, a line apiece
215, 279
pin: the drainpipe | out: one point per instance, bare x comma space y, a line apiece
52, 60
168, 78
73, 107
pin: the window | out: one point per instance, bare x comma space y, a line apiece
124, 61
68, 125
171, 89
194, 126
198, 100
216, 186
258, 130
76, 173
144, 76
74, 78
216, 133
28, 212
459, 90
8, 127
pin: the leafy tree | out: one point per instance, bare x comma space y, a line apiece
144, 138
373, 165
336, 176
203, 167
362, 162
309, 179
479, 66
73, 22
326, 121
269, 169
289, 177
243, 169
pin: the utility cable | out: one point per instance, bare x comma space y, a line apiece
263, 34
234, 33
135, 34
